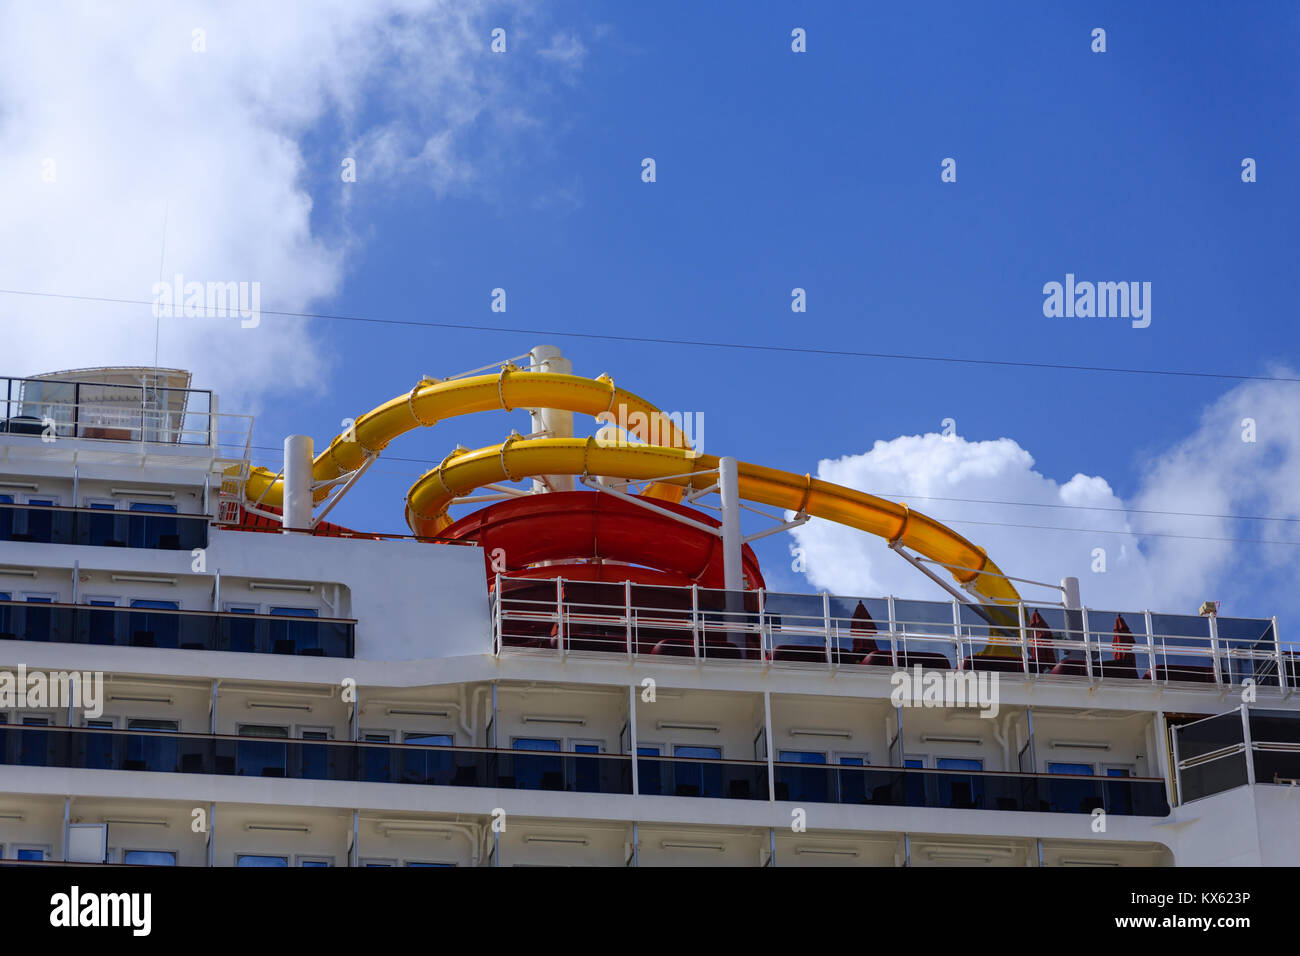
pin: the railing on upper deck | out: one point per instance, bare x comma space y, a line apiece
831, 631
51, 410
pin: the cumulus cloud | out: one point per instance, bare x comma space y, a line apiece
1158, 549
114, 120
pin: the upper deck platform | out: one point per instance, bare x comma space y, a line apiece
109, 410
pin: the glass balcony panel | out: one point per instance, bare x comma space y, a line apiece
97, 527
146, 626
1120, 645
916, 619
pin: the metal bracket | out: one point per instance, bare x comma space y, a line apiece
348, 482
897, 547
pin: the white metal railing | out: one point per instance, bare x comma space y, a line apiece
96, 411
701, 624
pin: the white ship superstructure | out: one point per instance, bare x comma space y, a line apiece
303, 696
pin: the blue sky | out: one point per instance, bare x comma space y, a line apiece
821, 170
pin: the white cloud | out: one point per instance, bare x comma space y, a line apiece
1211, 472
140, 127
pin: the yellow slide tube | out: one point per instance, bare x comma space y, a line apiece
518, 458
432, 401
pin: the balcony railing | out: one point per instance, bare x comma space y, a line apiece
313, 760
830, 631
185, 630
1243, 746
570, 772
52, 410
984, 790
101, 527
696, 777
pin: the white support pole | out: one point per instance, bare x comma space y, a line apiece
67, 827
297, 483
1070, 592
733, 543
729, 493
212, 835
555, 422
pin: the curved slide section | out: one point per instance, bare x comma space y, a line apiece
517, 458
432, 401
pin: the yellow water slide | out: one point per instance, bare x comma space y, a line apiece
462, 472
669, 464
432, 401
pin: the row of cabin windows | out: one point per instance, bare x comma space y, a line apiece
252, 859
37, 853
38, 526
555, 745
47, 501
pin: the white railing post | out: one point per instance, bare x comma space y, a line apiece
631, 728
1087, 643
1245, 736
1178, 768
771, 763
1024, 643
1151, 644
956, 632
1214, 650
627, 617
826, 622
497, 640
893, 635
695, 620
1282, 684
763, 642
559, 617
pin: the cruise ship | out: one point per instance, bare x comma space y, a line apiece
572, 659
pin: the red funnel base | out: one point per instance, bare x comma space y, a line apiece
574, 527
